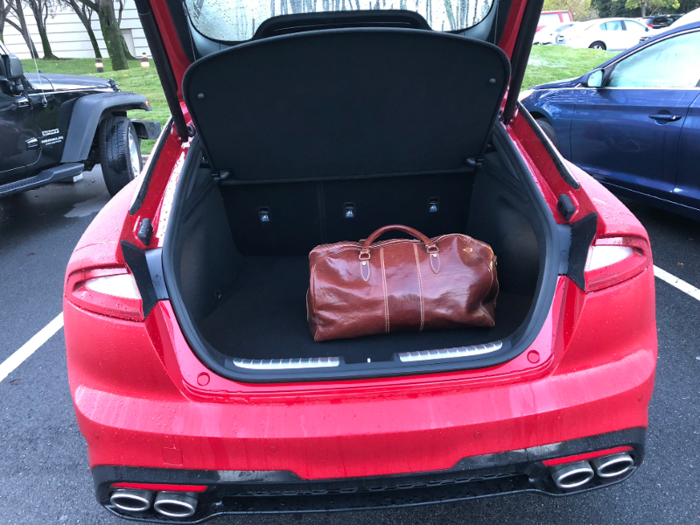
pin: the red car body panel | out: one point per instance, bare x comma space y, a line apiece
160, 415
143, 398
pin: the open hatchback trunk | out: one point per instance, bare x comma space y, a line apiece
324, 136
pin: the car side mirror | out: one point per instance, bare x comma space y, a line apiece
15, 70
594, 79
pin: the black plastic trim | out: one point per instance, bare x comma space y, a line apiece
553, 152
549, 240
146, 129
267, 492
145, 232
235, 182
286, 24
566, 206
60, 172
147, 268
582, 234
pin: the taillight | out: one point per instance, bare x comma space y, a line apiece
612, 260
107, 291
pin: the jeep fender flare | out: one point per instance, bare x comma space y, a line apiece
87, 113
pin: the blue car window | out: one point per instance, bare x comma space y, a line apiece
671, 63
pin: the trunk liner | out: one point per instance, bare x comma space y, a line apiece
264, 317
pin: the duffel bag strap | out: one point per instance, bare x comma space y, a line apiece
430, 246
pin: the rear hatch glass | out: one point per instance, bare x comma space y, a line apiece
237, 20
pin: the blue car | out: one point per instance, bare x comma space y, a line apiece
633, 122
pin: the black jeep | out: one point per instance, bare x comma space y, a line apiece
53, 127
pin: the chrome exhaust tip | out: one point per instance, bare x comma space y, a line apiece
128, 500
572, 475
613, 465
175, 504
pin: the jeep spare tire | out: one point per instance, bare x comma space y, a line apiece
120, 149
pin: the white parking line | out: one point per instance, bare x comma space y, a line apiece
31, 346
680, 284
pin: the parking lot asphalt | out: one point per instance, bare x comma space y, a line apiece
44, 474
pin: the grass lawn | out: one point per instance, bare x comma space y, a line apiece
550, 63
547, 63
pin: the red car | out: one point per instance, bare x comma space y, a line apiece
196, 381
553, 18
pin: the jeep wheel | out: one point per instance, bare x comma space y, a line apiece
120, 149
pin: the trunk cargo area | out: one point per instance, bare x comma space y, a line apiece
243, 255
320, 137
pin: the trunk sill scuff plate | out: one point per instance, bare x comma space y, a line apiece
465, 351
286, 364
404, 357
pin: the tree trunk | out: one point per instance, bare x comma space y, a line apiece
128, 54
93, 38
3, 14
116, 46
84, 13
38, 7
22, 28
45, 44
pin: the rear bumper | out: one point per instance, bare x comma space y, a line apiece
268, 492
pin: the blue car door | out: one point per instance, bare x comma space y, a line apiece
627, 132
687, 189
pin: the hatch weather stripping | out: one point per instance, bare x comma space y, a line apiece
287, 364
448, 353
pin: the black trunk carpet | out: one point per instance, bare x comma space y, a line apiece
264, 317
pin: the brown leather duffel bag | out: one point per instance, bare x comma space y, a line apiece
398, 285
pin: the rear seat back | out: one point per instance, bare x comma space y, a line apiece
291, 218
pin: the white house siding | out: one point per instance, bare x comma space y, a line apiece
68, 37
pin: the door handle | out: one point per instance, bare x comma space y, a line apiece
22, 102
665, 117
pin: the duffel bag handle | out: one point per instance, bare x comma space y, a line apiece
429, 245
